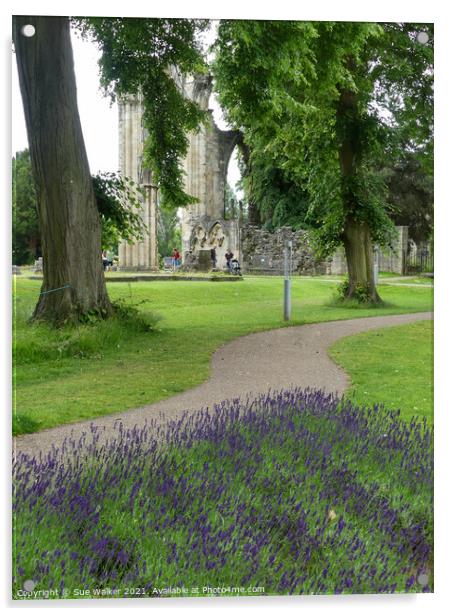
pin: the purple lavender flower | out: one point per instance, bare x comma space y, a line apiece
242, 489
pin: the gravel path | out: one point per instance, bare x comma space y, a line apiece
252, 364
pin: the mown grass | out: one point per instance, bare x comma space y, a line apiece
391, 366
93, 370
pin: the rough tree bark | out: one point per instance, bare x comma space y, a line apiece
356, 236
73, 283
359, 256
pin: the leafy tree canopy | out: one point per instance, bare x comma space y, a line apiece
411, 195
25, 232
281, 201
303, 92
118, 199
139, 58
119, 204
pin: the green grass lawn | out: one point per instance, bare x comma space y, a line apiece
393, 366
94, 370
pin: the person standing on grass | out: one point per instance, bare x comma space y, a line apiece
229, 254
110, 257
213, 257
104, 260
176, 258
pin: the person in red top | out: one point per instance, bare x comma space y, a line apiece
176, 258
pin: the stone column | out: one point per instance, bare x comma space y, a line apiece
139, 255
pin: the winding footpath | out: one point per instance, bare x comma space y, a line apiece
249, 365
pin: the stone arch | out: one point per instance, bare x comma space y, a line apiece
230, 139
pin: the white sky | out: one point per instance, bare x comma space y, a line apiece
98, 116
99, 119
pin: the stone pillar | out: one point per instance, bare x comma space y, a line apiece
138, 255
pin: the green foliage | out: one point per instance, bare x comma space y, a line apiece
281, 201
119, 201
118, 198
231, 204
138, 59
402, 74
25, 231
168, 231
247, 86
362, 292
411, 196
303, 93
91, 338
134, 318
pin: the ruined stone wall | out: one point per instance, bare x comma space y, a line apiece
390, 259
203, 224
394, 259
263, 252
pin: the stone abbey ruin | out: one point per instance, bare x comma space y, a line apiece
205, 166
204, 225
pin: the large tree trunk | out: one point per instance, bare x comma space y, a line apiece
69, 221
359, 255
356, 236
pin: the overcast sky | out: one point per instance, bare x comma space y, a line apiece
98, 116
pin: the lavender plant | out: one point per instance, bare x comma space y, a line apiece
294, 492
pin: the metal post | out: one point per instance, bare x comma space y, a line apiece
287, 273
376, 265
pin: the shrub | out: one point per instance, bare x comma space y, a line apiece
362, 293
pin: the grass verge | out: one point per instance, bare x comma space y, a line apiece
95, 370
391, 366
